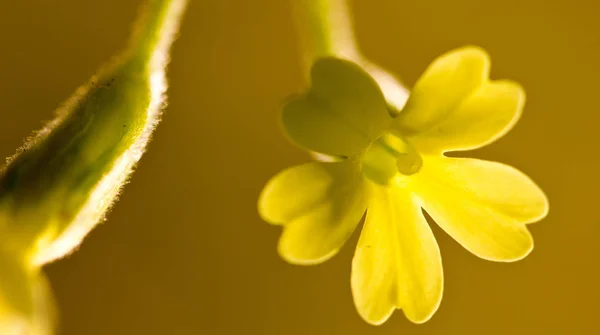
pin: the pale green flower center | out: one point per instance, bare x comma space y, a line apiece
390, 156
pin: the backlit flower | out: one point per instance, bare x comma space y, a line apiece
392, 167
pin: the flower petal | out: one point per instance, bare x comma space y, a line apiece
486, 115
449, 80
320, 204
483, 205
397, 263
341, 115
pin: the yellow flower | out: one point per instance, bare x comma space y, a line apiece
392, 167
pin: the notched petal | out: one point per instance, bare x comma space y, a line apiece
397, 264
310, 124
486, 115
449, 80
483, 205
319, 204
342, 113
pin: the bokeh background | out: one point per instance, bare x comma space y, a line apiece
184, 251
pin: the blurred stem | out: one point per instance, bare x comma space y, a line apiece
326, 29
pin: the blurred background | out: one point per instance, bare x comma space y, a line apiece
184, 251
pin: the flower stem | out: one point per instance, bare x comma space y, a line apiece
326, 29
156, 28
64, 179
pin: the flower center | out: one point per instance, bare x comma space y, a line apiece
388, 157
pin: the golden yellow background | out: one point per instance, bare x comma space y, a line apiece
184, 252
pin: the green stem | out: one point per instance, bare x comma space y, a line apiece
326, 29
60, 185
156, 28
62, 182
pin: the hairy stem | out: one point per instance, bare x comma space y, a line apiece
60, 184
157, 26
